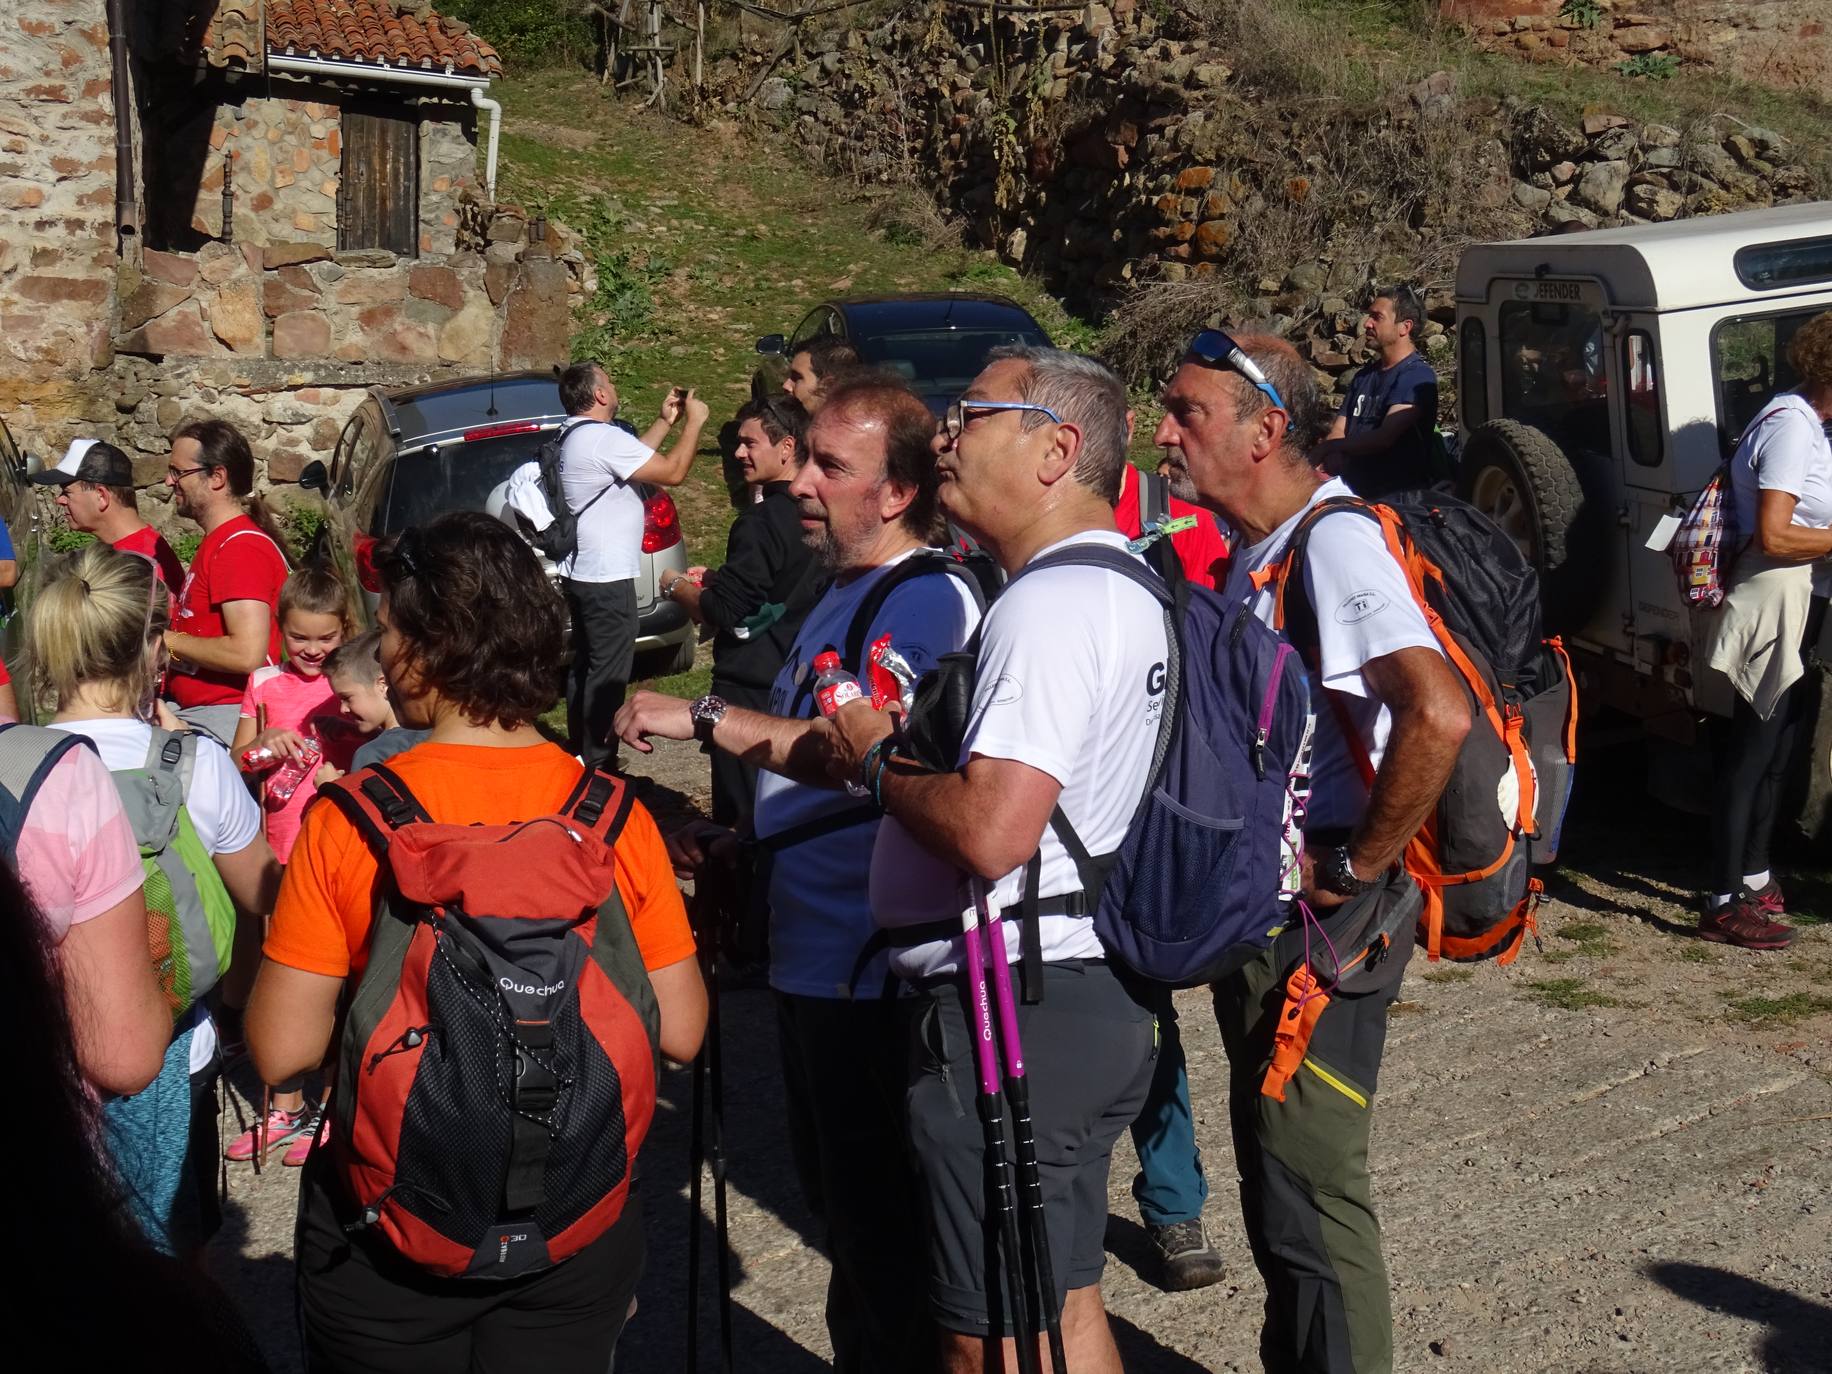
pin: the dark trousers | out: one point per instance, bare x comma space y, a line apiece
603, 653
364, 1309
1170, 1186
1305, 1194
1752, 761
844, 1065
734, 782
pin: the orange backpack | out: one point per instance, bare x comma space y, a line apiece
1501, 809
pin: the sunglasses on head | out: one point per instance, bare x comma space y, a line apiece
1217, 349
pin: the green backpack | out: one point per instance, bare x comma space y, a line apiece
190, 920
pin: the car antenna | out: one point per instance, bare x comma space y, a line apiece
492, 412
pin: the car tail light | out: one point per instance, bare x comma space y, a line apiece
497, 431
364, 551
661, 523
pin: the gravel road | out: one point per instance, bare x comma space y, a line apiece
1611, 1156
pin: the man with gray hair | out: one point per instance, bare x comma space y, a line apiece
1069, 690
1241, 418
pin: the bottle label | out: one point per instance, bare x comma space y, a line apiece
833, 695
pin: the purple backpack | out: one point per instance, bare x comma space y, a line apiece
1208, 870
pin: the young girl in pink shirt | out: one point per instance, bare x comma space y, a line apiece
283, 708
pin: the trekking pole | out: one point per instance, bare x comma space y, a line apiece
985, 1053
708, 1071
1017, 1093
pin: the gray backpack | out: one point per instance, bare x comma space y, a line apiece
190, 920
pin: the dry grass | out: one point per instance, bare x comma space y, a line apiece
907, 215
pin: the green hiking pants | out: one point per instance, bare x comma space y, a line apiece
1304, 1188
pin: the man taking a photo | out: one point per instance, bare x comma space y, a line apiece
599, 465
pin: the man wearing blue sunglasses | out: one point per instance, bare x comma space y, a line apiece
1241, 418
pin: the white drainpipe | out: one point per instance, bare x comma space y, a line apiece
327, 69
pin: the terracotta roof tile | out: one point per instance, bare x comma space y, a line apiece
398, 32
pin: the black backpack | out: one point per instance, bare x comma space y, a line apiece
559, 541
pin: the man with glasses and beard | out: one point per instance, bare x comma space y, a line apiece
867, 501
227, 622
1383, 435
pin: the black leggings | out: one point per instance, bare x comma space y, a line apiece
1750, 765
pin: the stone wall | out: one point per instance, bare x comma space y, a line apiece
448, 168
1785, 43
1100, 152
57, 216
286, 160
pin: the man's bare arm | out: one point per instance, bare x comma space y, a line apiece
797, 749
1430, 719
987, 818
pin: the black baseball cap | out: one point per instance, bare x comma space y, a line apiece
89, 460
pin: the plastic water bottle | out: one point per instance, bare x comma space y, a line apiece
833, 688
287, 777
833, 685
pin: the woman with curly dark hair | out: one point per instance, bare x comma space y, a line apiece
1781, 481
472, 638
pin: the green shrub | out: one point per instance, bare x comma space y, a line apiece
1586, 14
535, 32
1655, 66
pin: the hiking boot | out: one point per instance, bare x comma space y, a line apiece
282, 1129
1768, 900
301, 1147
1744, 925
1186, 1260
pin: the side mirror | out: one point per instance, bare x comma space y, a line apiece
772, 344
314, 477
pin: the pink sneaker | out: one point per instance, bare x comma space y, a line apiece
302, 1145
282, 1129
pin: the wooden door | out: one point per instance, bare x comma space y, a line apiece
379, 191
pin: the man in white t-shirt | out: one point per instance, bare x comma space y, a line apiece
1068, 696
867, 500
599, 463
1241, 416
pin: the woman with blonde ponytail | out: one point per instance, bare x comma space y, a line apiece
97, 632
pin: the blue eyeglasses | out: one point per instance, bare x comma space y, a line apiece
1217, 349
956, 418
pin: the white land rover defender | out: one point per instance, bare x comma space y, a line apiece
1602, 379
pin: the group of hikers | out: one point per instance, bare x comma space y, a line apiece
1007, 741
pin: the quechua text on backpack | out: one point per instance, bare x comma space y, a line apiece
497, 1068
1512, 776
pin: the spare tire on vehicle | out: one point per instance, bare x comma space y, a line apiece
1523, 481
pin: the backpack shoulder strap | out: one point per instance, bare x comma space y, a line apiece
28, 753
174, 752
922, 563
601, 804
1154, 498
377, 803
1106, 557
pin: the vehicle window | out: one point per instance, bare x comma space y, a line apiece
1771, 266
820, 321
1749, 367
1553, 374
430, 482
1641, 389
1472, 385
941, 360
362, 444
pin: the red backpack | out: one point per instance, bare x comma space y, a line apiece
497, 1067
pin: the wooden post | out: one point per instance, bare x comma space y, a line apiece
699, 46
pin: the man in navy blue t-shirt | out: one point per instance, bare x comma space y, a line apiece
1382, 439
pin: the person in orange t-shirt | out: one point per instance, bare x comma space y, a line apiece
472, 640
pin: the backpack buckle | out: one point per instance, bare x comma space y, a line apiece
396, 810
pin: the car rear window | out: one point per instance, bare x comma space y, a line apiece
430, 482
941, 360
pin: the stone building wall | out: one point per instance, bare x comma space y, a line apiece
57, 192
286, 160
449, 160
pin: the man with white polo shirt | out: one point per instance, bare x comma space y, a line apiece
866, 496
599, 463
1241, 418
1069, 692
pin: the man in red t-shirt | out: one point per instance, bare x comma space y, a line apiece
1203, 550
227, 621
96, 490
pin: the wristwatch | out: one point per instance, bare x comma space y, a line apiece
707, 712
1334, 873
